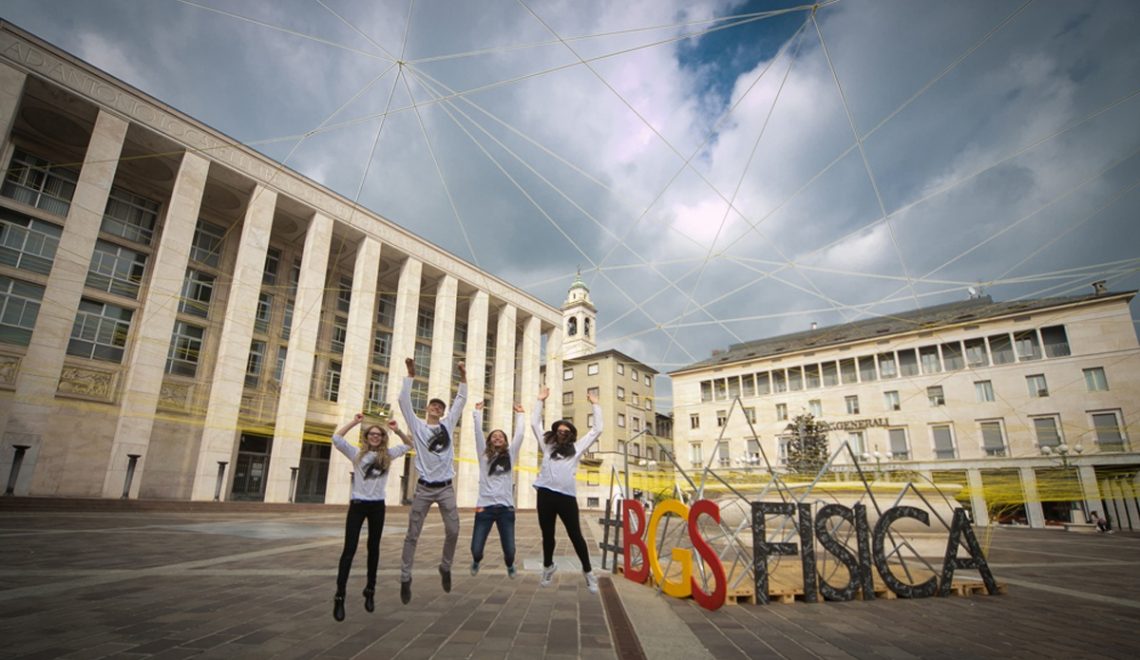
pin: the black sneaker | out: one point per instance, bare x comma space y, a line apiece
338, 607
406, 591
369, 599
445, 579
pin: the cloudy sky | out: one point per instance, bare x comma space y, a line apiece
719, 170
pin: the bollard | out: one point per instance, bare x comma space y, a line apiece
15, 473
292, 483
132, 461
221, 477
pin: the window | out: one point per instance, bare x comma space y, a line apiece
255, 363
279, 368
887, 366
636, 399
207, 246
185, 349
593, 479
27, 243
781, 411
1109, 436
815, 407
459, 345
648, 403
339, 334
721, 418
694, 421
943, 441
935, 395
36, 182
425, 319
592, 502
1027, 346
1037, 386
633, 375
272, 265
19, 308
695, 454
287, 320
621, 369
386, 310
621, 393
984, 390
567, 398
422, 356
782, 451
568, 374
130, 216
723, 455
750, 415
294, 277
116, 269
621, 420
706, 391
891, 400
847, 371
763, 386
1047, 430
592, 369
636, 427
811, 376
779, 381
993, 439
899, 448
976, 353
420, 399
264, 311
1001, 349
952, 357
720, 389
344, 294
594, 391
1095, 379
830, 374
1056, 341
586, 326
795, 379
857, 442
928, 355
753, 451
332, 382
100, 331
733, 387
867, 369
908, 362
382, 348
197, 292
571, 327
852, 404
648, 381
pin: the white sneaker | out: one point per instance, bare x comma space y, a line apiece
591, 582
547, 575
474, 568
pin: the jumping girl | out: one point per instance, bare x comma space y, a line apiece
557, 486
370, 463
496, 503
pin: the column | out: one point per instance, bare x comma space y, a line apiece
978, 497
476, 359
155, 323
220, 429
356, 369
403, 347
501, 414
297, 373
1033, 511
443, 340
11, 91
1087, 476
38, 379
528, 386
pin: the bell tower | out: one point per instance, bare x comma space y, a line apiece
579, 318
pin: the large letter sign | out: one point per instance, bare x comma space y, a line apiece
685, 586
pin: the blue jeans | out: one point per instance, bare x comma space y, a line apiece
504, 517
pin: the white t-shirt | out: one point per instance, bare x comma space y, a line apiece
369, 482
496, 476
435, 446
558, 473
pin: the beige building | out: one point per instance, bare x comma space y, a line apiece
1030, 405
625, 389
184, 318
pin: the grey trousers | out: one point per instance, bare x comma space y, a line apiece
426, 495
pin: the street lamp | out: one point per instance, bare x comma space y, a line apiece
878, 461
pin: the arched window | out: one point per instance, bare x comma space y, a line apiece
586, 327
572, 326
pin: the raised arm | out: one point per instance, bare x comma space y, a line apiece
477, 421
520, 431
536, 417
341, 443
595, 432
456, 410
394, 427
350, 424
405, 399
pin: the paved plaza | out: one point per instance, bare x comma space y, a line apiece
89, 580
